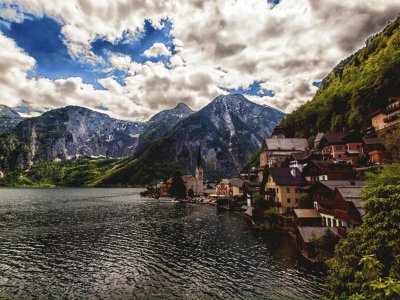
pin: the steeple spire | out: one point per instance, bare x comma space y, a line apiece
199, 164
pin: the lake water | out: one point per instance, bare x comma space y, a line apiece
113, 244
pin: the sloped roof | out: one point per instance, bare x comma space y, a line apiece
237, 182
350, 192
310, 233
332, 138
252, 186
283, 176
373, 141
306, 213
332, 184
299, 144
324, 166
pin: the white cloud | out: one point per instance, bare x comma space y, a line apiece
225, 43
156, 50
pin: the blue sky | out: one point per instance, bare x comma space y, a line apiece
42, 39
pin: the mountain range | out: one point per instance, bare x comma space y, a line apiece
229, 129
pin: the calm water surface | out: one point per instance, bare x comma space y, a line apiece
113, 244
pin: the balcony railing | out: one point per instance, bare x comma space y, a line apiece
391, 118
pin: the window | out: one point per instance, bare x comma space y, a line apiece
288, 190
329, 222
288, 200
338, 147
340, 156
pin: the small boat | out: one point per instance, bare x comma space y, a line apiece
167, 200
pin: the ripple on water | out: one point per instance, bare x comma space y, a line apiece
111, 243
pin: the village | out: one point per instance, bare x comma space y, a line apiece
313, 191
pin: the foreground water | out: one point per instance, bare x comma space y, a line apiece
111, 243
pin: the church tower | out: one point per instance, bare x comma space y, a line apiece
199, 175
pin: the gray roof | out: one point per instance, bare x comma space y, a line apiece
288, 144
237, 182
332, 184
350, 192
310, 233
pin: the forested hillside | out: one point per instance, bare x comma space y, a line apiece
356, 87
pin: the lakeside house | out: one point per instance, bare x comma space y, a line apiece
209, 187
282, 187
236, 188
307, 217
344, 209
305, 235
222, 188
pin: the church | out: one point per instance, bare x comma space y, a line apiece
195, 183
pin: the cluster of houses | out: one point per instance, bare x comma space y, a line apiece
318, 186
321, 187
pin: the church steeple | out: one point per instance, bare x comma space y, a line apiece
199, 164
199, 174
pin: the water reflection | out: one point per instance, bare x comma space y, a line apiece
110, 243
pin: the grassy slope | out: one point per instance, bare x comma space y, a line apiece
356, 87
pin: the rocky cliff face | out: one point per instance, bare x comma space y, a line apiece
75, 131
161, 124
229, 130
9, 118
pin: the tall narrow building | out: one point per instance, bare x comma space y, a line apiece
199, 175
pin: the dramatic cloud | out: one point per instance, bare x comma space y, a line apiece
143, 56
157, 49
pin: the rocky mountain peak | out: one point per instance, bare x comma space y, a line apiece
182, 108
9, 118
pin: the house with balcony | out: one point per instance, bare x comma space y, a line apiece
344, 208
318, 170
322, 191
338, 146
387, 117
282, 187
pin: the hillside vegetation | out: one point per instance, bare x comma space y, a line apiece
356, 87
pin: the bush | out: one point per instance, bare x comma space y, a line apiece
378, 238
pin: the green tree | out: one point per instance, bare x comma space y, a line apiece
366, 264
258, 200
324, 246
392, 143
177, 188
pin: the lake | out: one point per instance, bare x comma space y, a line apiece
114, 244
